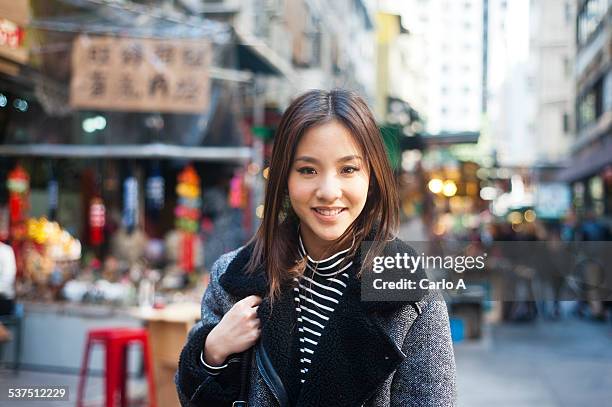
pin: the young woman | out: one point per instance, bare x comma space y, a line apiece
293, 293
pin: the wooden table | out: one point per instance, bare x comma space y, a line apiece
168, 329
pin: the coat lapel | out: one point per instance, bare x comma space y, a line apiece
279, 330
354, 355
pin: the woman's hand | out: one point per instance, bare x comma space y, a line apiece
237, 331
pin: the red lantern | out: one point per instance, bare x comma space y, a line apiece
187, 252
97, 220
18, 184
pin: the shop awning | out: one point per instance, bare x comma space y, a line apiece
446, 139
255, 56
588, 165
146, 151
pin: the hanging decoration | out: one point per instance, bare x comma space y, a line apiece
187, 214
237, 196
18, 184
155, 191
130, 203
4, 223
53, 197
97, 221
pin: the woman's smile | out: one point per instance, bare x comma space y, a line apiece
328, 214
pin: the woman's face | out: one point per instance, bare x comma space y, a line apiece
328, 184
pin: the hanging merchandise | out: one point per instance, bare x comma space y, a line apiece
187, 251
18, 184
155, 191
130, 203
97, 221
187, 211
236, 192
53, 193
4, 223
187, 214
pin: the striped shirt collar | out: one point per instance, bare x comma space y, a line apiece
329, 266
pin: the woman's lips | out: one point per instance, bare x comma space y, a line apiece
328, 217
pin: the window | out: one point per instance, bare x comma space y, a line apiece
590, 105
567, 67
590, 19
568, 12
607, 92
566, 124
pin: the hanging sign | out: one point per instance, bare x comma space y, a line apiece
130, 203
155, 191
16, 10
53, 197
136, 74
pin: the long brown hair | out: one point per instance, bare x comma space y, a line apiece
276, 240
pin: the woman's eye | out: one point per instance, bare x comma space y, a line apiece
306, 170
350, 170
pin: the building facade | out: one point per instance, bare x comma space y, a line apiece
451, 34
552, 49
590, 169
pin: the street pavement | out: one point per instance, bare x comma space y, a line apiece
565, 363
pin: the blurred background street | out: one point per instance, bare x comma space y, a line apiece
135, 138
546, 364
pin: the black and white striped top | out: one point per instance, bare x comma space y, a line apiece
317, 295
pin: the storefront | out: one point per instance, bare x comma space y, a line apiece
141, 166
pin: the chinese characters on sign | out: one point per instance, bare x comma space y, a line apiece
140, 74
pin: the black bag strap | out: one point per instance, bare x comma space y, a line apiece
245, 369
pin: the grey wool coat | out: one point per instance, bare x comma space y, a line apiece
370, 354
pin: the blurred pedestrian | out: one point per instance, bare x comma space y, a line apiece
8, 271
592, 230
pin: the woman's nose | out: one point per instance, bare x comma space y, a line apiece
329, 189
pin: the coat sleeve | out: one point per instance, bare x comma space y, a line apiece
196, 386
426, 378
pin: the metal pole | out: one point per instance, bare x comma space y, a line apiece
258, 148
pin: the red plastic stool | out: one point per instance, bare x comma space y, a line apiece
116, 341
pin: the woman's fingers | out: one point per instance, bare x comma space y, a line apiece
252, 300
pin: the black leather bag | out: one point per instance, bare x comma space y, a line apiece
245, 369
